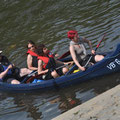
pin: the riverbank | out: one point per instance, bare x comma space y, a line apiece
103, 107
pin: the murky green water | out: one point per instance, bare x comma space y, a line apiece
47, 21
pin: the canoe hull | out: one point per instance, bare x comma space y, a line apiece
110, 64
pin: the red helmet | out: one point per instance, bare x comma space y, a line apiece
71, 34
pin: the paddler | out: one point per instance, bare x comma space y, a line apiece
9, 73
78, 50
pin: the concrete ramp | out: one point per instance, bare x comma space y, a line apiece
105, 106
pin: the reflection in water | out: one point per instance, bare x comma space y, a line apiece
48, 22
29, 106
66, 100
48, 105
22, 104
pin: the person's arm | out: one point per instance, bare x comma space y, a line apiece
2, 74
40, 66
72, 52
29, 63
59, 62
90, 45
70, 63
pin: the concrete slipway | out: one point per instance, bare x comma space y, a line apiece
105, 106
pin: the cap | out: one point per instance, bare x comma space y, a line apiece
0, 51
71, 34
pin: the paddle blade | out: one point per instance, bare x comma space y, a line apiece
100, 42
64, 55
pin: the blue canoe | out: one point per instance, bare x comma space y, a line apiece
110, 64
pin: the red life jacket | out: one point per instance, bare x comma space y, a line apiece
48, 62
32, 53
34, 56
50, 54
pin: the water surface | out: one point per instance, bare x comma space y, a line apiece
47, 21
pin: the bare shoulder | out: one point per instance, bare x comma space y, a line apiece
71, 47
29, 57
40, 61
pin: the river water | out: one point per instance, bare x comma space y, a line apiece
47, 21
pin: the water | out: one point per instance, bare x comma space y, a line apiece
47, 21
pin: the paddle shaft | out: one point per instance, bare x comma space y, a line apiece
32, 73
62, 66
29, 75
95, 50
100, 42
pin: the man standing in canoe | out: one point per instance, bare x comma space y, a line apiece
78, 51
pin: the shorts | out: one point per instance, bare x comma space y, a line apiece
59, 71
85, 60
47, 76
16, 73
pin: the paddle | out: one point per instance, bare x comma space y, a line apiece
34, 77
28, 76
95, 50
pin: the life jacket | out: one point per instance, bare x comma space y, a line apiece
50, 54
34, 56
12, 73
3, 68
49, 62
4, 63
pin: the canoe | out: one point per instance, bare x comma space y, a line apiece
110, 64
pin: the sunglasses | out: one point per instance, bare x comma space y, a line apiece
30, 47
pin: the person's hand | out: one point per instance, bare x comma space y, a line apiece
56, 55
82, 68
93, 51
13, 65
69, 63
10, 66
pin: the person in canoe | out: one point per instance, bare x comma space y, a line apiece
32, 61
48, 65
9, 73
78, 51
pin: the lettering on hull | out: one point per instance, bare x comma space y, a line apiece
113, 64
